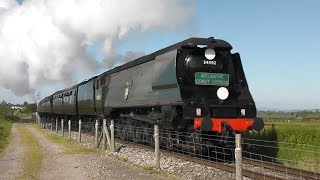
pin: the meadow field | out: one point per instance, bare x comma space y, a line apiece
292, 138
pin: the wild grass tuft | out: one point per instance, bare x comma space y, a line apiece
70, 146
32, 154
5, 129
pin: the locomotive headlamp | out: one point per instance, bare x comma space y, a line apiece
222, 93
210, 54
243, 112
198, 111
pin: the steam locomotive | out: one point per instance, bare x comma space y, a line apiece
196, 85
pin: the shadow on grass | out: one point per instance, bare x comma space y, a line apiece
262, 145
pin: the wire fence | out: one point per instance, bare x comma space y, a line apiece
291, 120
279, 159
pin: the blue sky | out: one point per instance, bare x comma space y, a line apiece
278, 42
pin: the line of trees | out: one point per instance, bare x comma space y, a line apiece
6, 109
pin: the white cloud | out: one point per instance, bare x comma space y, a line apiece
43, 41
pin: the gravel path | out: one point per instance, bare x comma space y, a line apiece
58, 165
178, 168
10, 163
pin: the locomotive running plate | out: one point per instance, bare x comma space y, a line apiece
213, 79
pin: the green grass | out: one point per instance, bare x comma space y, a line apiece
151, 170
70, 146
31, 162
298, 142
290, 115
5, 110
293, 136
5, 129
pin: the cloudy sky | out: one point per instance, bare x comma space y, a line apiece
46, 45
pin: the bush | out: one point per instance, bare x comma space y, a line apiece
5, 110
29, 108
5, 129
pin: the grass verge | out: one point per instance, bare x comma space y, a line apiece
296, 144
69, 146
32, 154
5, 130
151, 170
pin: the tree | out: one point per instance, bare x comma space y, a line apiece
30, 108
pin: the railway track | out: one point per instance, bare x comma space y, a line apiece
225, 167
284, 172
289, 171
228, 167
274, 171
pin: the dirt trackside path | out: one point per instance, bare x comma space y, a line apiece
10, 163
55, 164
58, 165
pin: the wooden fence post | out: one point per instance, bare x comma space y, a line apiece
238, 157
62, 130
69, 128
104, 134
156, 146
79, 135
112, 136
96, 132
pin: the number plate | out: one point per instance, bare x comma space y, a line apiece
214, 79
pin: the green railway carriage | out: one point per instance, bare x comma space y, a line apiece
57, 103
70, 101
64, 102
45, 105
85, 98
101, 90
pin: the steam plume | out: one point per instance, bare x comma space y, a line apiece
43, 41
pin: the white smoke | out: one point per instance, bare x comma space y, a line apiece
43, 41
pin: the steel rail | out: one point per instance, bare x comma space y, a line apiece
300, 173
225, 167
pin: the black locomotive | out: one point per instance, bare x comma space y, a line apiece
196, 85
